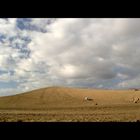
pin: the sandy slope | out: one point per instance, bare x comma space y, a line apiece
57, 97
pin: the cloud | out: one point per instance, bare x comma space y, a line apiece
71, 52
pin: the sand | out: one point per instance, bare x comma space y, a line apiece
64, 104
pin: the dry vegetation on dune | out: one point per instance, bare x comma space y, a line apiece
69, 104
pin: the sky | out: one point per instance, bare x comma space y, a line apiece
71, 52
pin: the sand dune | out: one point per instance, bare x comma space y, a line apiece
57, 97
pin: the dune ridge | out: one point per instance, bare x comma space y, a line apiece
68, 97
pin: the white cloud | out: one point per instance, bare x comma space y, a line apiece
72, 52
7, 27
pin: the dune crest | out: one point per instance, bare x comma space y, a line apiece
68, 97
